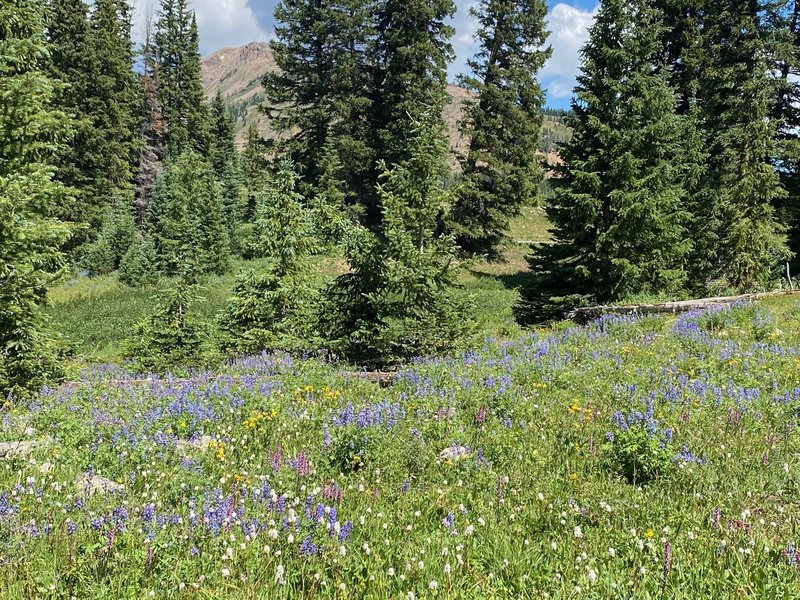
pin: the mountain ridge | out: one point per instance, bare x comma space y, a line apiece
237, 72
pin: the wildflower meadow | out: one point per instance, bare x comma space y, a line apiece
636, 457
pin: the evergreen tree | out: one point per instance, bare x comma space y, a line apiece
114, 101
138, 266
116, 236
152, 142
31, 236
225, 162
412, 52
72, 63
170, 337
399, 300
180, 87
186, 221
619, 217
321, 93
254, 168
738, 100
503, 122
274, 309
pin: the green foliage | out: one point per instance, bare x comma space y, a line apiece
170, 337
321, 91
620, 213
186, 220
94, 59
30, 237
225, 162
137, 268
282, 223
275, 309
269, 312
503, 123
398, 301
640, 456
411, 55
117, 235
742, 143
180, 89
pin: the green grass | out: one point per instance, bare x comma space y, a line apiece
543, 493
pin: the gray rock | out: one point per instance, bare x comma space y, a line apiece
19, 448
94, 484
199, 444
454, 453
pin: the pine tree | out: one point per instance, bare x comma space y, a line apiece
320, 97
114, 102
138, 266
186, 221
117, 235
170, 337
399, 299
503, 123
412, 53
785, 19
619, 217
31, 236
738, 98
72, 63
274, 309
181, 91
225, 162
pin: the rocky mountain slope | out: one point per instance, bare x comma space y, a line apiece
237, 73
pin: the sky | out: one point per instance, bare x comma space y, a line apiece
230, 23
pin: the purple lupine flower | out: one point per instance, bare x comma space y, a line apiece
449, 520
72, 527
480, 418
326, 438
715, 518
308, 547
345, 532
667, 560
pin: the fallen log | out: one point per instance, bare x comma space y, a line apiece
584, 315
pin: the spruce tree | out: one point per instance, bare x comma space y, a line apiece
412, 53
114, 102
138, 266
739, 94
72, 63
786, 19
274, 308
186, 221
619, 216
31, 236
225, 162
170, 337
321, 94
117, 235
399, 300
503, 122
180, 87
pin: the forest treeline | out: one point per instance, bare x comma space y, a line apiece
679, 176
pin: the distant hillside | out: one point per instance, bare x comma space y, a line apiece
237, 73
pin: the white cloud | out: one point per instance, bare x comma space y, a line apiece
569, 31
221, 23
